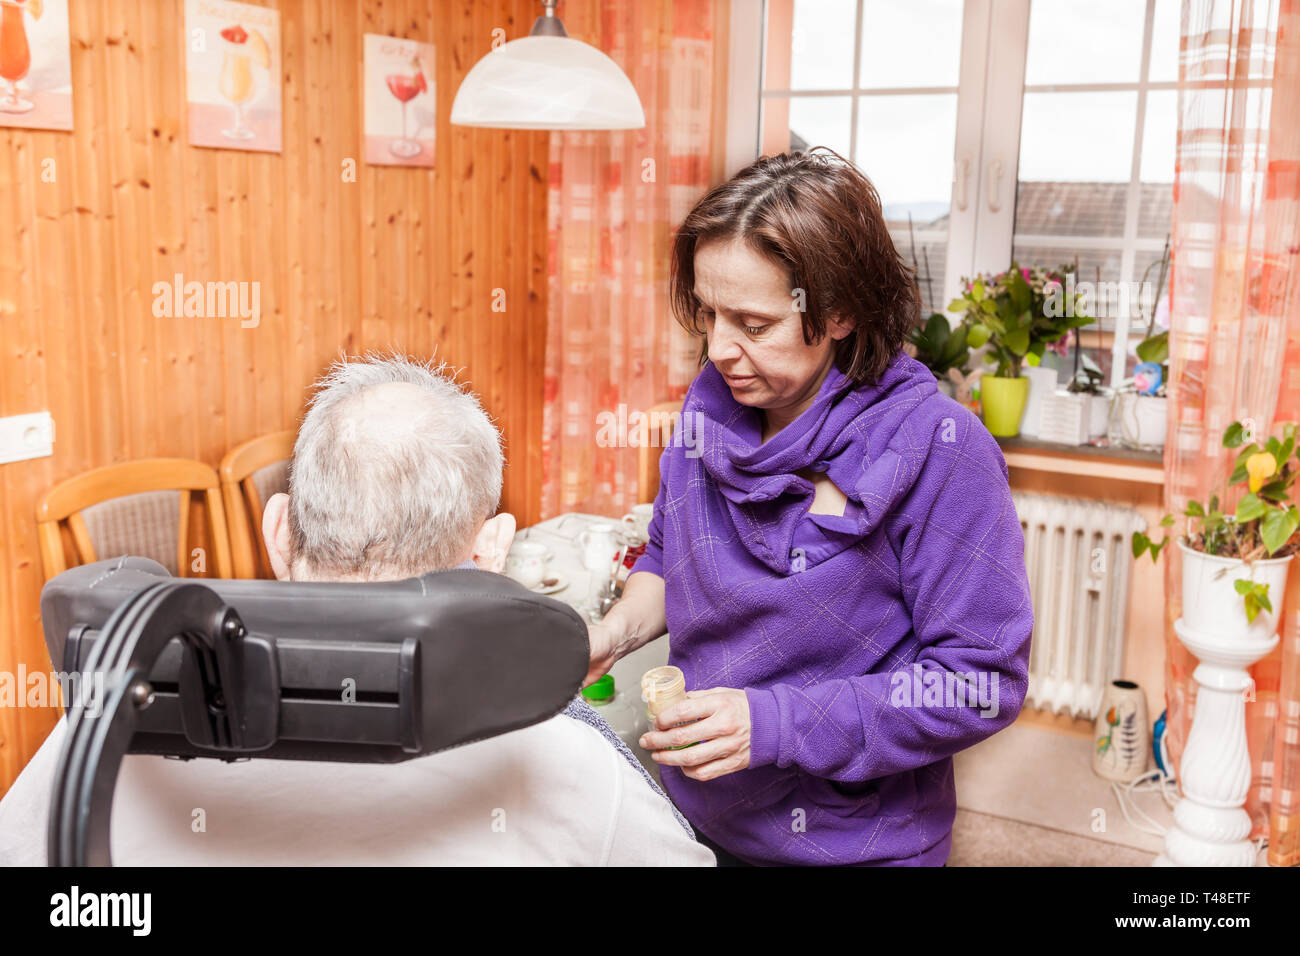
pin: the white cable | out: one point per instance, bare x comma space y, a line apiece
1124, 796
1156, 779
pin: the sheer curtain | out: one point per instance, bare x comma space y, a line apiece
613, 348
1235, 339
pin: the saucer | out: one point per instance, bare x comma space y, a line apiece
561, 582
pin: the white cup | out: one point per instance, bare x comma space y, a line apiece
637, 521
526, 563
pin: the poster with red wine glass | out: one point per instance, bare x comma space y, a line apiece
401, 103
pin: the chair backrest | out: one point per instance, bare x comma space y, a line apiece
250, 474
137, 507
656, 432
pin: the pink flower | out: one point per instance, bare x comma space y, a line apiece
1162, 313
1025, 272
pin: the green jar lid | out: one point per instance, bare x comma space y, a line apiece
601, 691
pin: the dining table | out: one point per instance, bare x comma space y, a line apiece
560, 535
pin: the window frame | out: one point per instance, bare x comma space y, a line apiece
990, 95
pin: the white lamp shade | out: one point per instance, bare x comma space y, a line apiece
547, 82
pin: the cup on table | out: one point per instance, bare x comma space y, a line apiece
526, 563
636, 523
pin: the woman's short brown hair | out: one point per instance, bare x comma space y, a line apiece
816, 215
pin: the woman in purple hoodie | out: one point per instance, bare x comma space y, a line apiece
834, 551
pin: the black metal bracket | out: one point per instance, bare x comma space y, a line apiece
217, 708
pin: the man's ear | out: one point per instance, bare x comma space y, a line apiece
275, 533
492, 543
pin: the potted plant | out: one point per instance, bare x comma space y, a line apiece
1141, 412
940, 347
1010, 313
1086, 382
1235, 563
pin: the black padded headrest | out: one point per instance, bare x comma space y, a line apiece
433, 662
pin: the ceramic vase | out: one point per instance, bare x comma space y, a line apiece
1121, 735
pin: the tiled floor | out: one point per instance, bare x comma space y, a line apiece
1028, 797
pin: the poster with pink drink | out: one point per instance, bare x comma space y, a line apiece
35, 64
401, 104
232, 75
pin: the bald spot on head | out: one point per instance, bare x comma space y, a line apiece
383, 415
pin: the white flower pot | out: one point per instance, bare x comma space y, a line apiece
1140, 420
1063, 418
1211, 604
1042, 382
1210, 825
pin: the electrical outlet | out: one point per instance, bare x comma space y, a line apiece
26, 436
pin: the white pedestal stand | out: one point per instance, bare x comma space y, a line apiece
1210, 827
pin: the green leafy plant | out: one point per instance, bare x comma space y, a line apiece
939, 346
1264, 522
1256, 596
1010, 312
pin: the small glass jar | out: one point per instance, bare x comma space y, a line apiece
661, 688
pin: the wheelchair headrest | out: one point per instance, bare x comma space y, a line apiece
347, 672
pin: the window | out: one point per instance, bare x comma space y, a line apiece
1035, 130
864, 98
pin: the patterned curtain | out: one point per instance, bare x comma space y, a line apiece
1235, 339
613, 348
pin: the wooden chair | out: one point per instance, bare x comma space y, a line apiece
137, 507
250, 474
656, 433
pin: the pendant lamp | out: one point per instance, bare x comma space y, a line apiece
547, 80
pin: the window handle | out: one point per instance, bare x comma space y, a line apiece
995, 185
960, 178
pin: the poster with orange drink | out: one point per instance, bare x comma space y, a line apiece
35, 64
232, 75
400, 102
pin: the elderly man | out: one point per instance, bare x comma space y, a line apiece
396, 473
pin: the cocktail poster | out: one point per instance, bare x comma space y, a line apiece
401, 104
35, 64
232, 75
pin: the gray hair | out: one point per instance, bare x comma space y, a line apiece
396, 496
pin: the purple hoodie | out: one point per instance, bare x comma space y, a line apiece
847, 633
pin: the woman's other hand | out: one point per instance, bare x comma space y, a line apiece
723, 724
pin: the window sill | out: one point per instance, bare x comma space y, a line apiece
1122, 464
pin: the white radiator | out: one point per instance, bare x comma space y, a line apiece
1079, 557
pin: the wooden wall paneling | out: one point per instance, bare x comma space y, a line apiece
133, 204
